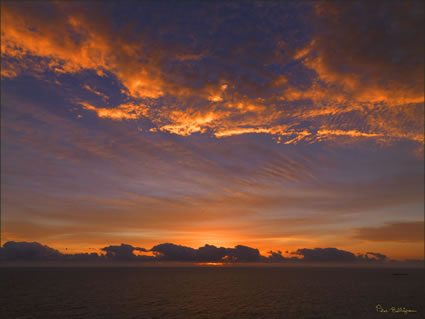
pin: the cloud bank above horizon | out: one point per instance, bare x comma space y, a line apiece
208, 254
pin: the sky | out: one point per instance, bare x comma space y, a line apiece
276, 125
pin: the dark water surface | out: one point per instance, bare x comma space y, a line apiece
207, 292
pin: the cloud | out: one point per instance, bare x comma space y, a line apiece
325, 255
208, 253
361, 70
209, 183
122, 253
28, 251
243, 254
168, 252
211, 91
122, 112
173, 252
393, 232
369, 55
375, 58
276, 257
94, 91
372, 257
71, 40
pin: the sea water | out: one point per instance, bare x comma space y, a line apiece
210, 292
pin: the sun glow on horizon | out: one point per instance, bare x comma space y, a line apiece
215, 264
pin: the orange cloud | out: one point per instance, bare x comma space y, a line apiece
352, 133
348, 85
121, 112
280, 130
217, 96
98, 48
102, 95
239, 131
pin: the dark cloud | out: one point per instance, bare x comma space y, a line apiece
276, 256
372, 257
244, 254
168, 252
122, 252
325, 255
173, 252
28, 251
330, 255
208, 253
83, 257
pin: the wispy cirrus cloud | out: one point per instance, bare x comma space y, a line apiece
94, 91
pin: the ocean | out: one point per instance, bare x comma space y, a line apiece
210, 292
